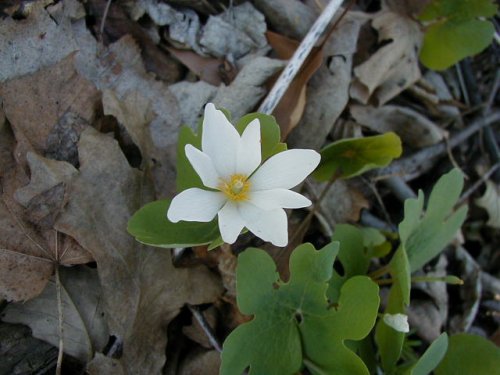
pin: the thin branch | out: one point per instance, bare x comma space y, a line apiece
60, 317
103, 21
477, 184
200, 318
298, 58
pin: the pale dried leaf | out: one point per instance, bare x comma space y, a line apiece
142, 290
193, 96
328, 89
84, 325
36, 42
243, 94
490, 201
101, 364
34, 103
201, 362
394, 67
413, 128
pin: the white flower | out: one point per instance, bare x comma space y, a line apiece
242, 193
399, 322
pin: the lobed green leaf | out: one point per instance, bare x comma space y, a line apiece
293, 324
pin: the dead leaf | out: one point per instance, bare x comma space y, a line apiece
118, 25
34, 43
142, 290
236, 32
201, 362
406, 7
414, 129
84, 325
208, 69
328, 89
290, 108
490, 201
195, 332
243, 94
394, 67
193, 96
104, 365
34, 104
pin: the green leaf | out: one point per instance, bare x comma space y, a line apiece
431, 358
389, 341
293, 325
470, 355
351, 157
447, 42
150, 226
424, 235
464, 9
353, 255
269, 132
186, 175
457, 32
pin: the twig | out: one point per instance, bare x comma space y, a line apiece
200, 318
298, 58
60, 317
411, 166
477, 184
104, 16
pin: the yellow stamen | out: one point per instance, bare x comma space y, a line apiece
236, 187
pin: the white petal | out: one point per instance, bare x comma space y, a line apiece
230, 222
278, 198
195, 205
249, 155
269, 225
220, 141
398, 322
285, 170
203, 165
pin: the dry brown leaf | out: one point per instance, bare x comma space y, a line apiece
406, 7
394, 67
118, 24
142, 290
208, 69
490, 201
201, 362
414, 129
328, 89
290, 108
84, 325
33, 43
34, 104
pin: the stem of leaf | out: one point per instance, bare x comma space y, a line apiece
453, 280
303, 226
377, 274
60, 318
311, 365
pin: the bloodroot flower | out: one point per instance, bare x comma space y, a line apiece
242, 192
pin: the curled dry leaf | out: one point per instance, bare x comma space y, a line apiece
413, 128
490, 201
84, 325
42, 98
142, 290
328, 89
394, 67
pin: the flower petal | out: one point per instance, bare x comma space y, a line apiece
195, 205
398, 322
285, 170
230, 222
203, 165
220, 141
269, 225
278, 198
249, 153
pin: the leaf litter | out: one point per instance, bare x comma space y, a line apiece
89, 121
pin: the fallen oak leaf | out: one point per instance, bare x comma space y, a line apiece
142, 290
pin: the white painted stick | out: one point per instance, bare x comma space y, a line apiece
299, 57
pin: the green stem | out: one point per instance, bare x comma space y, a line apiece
312, 366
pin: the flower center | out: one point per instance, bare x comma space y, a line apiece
236, 187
